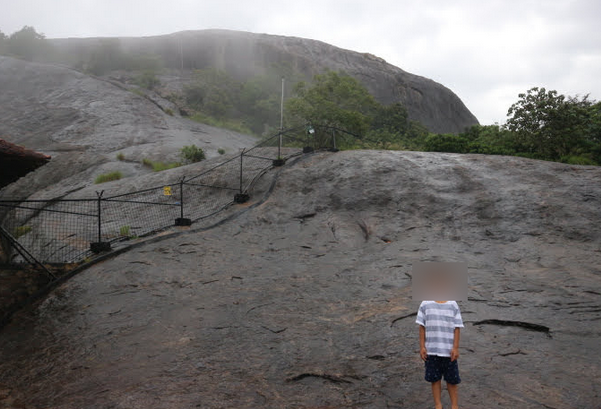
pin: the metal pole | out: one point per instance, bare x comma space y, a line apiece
334, 138
100, 215
181, 197
282, 106
181, 53
241, 155
281, 119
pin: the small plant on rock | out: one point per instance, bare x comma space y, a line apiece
108, 177
192, 154
21, 231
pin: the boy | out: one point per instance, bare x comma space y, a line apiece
440, 323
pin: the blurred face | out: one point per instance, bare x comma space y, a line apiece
439, 281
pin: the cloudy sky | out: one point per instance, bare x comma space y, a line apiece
485, 51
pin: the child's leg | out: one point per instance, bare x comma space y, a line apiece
453, 395
436, 392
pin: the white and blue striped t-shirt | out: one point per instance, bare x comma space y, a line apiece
440, 320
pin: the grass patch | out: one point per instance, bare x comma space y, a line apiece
169, 111
108, 177
138, 92
231, 124
120, 156
160, 166
21, 231
578, 160
125, 231
221, 151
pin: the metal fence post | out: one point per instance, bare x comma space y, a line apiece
279, 161
181, 220
100, 246
241, 197
333, 148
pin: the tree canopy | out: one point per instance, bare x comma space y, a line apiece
26, 43
337, 100
549, 123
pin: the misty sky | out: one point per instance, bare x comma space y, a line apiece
485, 51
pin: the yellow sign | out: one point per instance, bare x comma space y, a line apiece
167, 190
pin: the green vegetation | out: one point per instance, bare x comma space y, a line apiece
26, 43
147, 79
124, 231
221, 151
251, 106
336, 100
192, 154
108, 55
160, 166
231, 124
21, 231
108, 177
120, 156
541, 125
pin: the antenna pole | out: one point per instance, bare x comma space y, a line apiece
281, 119
181, 53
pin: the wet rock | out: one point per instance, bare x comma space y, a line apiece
274, 310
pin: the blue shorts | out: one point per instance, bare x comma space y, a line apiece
441, 366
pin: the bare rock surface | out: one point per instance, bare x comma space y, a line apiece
85, 122
304, 300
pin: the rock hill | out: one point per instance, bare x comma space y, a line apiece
85, 122
244, 54
303, 299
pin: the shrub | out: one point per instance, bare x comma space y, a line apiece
221, 151
446, 143
578, 160
108, 177
21, 231
169, 111
120, 156
192, 154
147, 79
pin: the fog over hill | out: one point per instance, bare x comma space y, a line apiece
84, 122
244, 54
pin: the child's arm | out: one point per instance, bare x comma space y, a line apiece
455, 350
422, 343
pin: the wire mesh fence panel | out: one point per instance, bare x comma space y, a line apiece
54, 231
201, 201
63, 230
139, 213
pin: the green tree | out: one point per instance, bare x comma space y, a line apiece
27, 43
214, 93
548, 124
490, 139
392, 118
3, 43
333, 100
106, 56
446, 143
